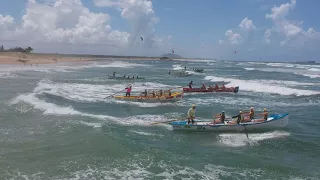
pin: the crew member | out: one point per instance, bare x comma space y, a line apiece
221, 118
128, 91
191, 114
190, 84
240, 117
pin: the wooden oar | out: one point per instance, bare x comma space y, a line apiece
167, 121
113, 94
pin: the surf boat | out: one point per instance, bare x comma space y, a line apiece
179, 73
175, 96
125, 78
229, 89
274, 121
196, 70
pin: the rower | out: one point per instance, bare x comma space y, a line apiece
124, 76
153, 94
169, 92
190, 84
191, 114
251, 113
221, 118
114, 74
161, 92
216, 87
203, 86
240, 117
145, 93
264, 114
223, 87
128, 91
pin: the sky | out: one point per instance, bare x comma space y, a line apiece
253, 30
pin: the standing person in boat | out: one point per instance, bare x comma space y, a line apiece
190, 84
145, 93
128, 91
191, 114
240, 118
264, 114
221, 118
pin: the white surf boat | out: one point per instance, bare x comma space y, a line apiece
274, 121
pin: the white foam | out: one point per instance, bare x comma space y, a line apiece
146, 133
7, 75
314, 69
53, 109
239, 140
94, 125
249, 69
264, 86
95, 93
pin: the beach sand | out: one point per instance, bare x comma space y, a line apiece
34, 58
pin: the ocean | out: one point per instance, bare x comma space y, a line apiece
57, 122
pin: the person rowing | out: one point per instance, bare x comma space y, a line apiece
216, 87
190, 84
240, 118
221, 118
160, 92
223, 88
191, 114
128, 91
249, 115
203, 86
264, 114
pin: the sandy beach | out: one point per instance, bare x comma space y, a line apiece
34, 58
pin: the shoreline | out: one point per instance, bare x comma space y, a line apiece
14, 58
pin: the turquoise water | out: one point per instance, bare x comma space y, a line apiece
56, 124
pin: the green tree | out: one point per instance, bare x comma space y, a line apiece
29, 49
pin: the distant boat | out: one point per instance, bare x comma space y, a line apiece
125, 78
179, 73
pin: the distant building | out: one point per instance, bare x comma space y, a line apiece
2, 49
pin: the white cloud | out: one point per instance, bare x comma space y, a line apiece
140, 15
282, 11
70, 22
221, 41
234, 38
291, 30
247, 24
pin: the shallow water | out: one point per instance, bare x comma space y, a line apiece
56, 124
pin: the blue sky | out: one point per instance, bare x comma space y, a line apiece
197, 26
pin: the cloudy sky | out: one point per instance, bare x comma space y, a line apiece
275, 30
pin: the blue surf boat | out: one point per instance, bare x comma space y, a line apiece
274, 121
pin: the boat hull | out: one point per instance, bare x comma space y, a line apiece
275, 121
176, 96
193, 90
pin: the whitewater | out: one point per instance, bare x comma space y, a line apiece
60, 121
